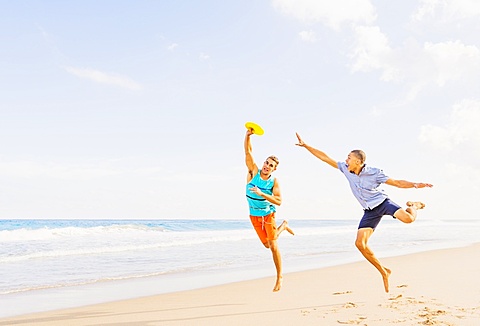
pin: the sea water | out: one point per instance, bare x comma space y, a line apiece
52, 264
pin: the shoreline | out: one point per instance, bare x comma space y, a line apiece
431, 287
61, 298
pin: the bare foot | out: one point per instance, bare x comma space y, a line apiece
288, 229
385, 278
415, 204
284, 226
278, 285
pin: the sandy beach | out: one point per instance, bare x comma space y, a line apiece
439, 287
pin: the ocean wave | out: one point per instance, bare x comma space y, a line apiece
127, 277
99, 244
48, 233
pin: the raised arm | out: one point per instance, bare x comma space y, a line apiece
251, 166
317, 153
407, 184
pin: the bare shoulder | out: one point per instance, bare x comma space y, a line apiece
275, 182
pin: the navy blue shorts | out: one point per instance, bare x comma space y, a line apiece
372, 217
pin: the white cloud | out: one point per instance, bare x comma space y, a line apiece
447, 10
204, 56
308, 36
333, 14
426, 8
372, 51
460, 132
172, 46
439, 64
414, 64
453, 149
104, 78
452, 60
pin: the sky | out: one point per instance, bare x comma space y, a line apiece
136, 109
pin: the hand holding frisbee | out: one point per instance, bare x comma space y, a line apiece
256, 129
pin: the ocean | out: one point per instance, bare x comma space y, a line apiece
52, 264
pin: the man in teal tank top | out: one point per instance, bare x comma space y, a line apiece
263, 193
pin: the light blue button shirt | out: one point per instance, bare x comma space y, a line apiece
365, 185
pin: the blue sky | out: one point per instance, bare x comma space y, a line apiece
136, 109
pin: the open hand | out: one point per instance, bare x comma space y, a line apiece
300, 141
423, 185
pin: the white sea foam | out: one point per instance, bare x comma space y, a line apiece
45, 233
39, 255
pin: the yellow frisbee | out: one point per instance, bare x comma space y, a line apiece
256, 129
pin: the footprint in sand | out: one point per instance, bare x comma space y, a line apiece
396, 298
349, 305
352, 321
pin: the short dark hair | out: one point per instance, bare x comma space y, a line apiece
274, 158
360, 155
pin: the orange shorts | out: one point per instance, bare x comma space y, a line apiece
265, 227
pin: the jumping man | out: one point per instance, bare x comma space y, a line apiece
263, 193
364, 181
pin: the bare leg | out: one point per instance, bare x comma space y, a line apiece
284, 226
362, 238
277, 259
409, 214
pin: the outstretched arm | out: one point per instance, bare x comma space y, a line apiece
317, 153
407, 184
251, 166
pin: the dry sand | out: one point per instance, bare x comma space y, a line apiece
439, 287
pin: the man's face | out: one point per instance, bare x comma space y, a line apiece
269, 166
352, 161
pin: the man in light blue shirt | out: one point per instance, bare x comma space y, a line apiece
364, 181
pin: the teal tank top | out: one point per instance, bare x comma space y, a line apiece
259, 206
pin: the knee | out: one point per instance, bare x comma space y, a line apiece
272, 244
360, 244
406, 216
